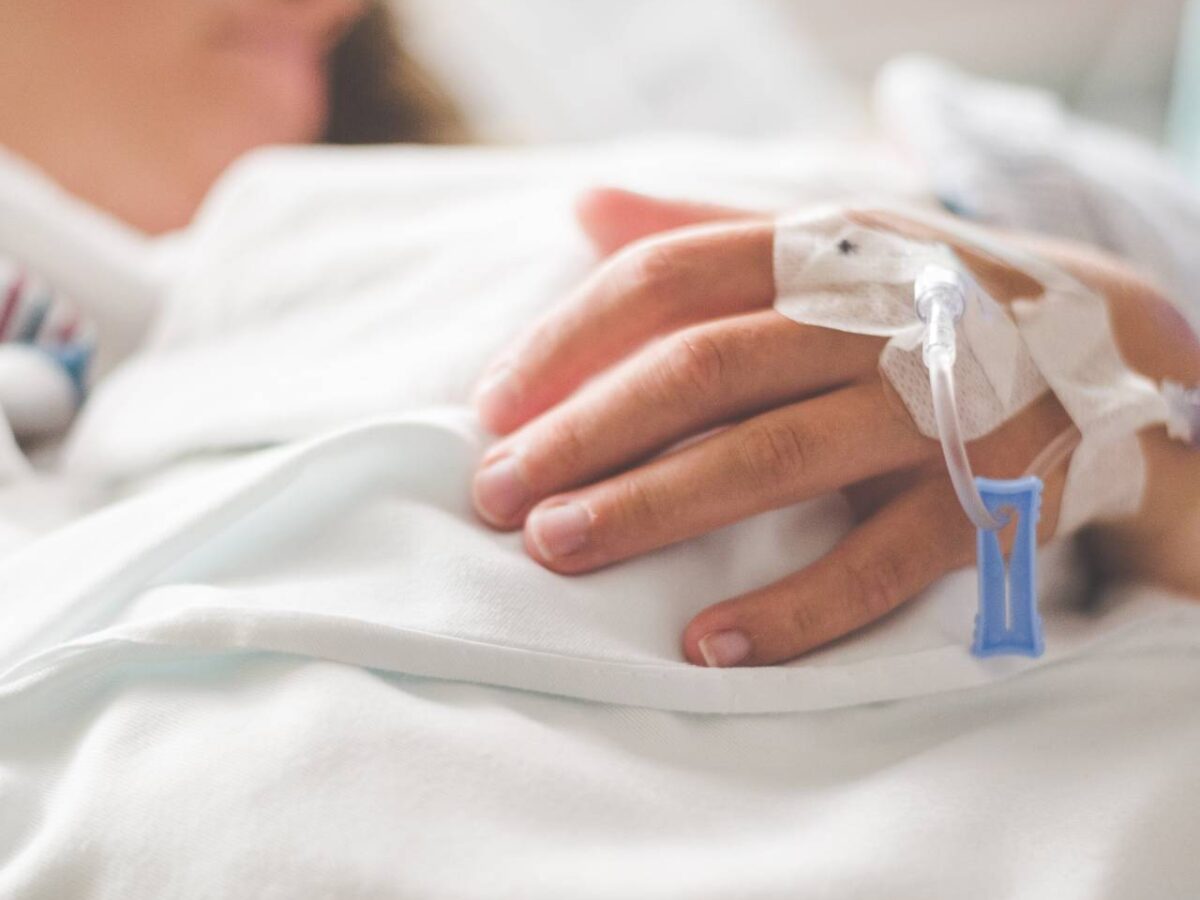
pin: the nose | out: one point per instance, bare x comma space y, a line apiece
329, 18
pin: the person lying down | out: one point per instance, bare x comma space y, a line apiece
720, 363
772, 356
685, 389
420, 497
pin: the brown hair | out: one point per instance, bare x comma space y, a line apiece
380, 95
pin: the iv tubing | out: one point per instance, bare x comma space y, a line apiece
1055, 453
941, 379
940, 298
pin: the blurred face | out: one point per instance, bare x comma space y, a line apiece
179, 87
256, 67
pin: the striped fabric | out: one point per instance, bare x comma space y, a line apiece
33, 313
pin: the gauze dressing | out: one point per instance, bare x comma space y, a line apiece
833, 272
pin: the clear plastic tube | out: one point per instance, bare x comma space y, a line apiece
1008, 620
941, 380
1055, 453
940, 298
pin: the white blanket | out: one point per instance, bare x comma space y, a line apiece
310, 671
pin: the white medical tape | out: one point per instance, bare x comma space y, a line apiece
833, 272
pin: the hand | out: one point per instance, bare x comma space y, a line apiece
588, 401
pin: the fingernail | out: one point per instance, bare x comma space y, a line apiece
500, 491
721, 649
560, 530
495, 393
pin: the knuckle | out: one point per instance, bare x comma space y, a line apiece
806, 620
653, 268
563, 443
691, 366
877, 587
633, 502
774, 454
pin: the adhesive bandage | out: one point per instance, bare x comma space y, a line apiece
835, 272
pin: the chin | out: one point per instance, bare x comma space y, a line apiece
293, 121
278, 103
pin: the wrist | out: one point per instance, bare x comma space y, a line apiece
1159, 543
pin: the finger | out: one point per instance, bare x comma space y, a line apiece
613, 218
683, 385
646, 290
780, 457
886, 560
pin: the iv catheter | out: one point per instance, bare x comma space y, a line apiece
940, 298
1007, 621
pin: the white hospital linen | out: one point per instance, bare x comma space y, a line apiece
158, 771
1014, 157
328, 286
241, 650
362, 547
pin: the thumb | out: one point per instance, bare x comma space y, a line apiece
612, 218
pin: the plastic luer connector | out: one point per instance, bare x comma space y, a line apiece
1008, 620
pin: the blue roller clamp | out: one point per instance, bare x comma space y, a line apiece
1008, 622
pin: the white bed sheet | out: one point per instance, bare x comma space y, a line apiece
294, 671
159, 772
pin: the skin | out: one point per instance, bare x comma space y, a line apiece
138, 105
675, 336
